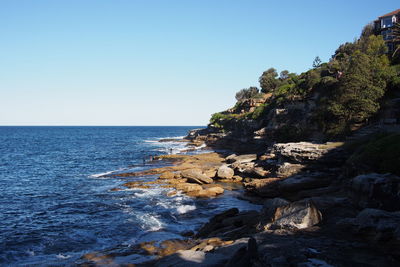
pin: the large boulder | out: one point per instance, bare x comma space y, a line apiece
207, 193
189, 187
224, 172
299, 152
196, 176
296, 215
381, 191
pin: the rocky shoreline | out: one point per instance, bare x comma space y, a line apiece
314, 213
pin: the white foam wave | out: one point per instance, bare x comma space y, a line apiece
201, 146
150, 222
98, 175
62, 257
151, 141
185, 208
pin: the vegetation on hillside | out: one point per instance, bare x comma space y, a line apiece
380, 153
347, 90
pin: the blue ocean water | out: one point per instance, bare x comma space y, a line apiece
55, 205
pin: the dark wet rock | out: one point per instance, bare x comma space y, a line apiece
270, 206
296, 215
289, 187
376, 225
217, 257
263, 187
196, 176
230, 224
381, 191
245, 256
225, 172
304, 181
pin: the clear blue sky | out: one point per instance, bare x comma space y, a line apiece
82, 62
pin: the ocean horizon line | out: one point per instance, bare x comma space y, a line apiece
103, 125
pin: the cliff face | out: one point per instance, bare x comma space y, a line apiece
255, 123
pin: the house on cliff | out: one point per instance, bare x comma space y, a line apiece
384, 26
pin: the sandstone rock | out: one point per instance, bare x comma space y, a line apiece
287, 169
242, 158
259, 172
299, 152
184, 258
263, 187
210, 173
250, 169
243, 167
224, 172
196, 176
176, 181
231, 158
266, 157
298, 215
177, 175
237, 178
206, 193
167, 175
374, 190
138, 185
188, 187
115, 189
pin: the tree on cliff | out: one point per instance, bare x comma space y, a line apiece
268, 80
396, 41
317, 62
246, 93
357, 94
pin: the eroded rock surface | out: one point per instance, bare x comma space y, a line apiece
299, 152
375, 190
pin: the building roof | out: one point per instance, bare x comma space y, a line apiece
391, 13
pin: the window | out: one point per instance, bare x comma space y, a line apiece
386, 22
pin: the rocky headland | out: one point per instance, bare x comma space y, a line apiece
320, 151
316, 210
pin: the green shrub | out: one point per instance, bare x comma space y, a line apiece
381, 154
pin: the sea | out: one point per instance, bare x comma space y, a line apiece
56, 197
